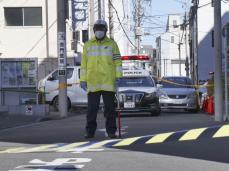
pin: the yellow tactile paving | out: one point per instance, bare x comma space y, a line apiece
192, 134
126, 142
159, 138
222, 132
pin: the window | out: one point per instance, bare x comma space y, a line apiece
175, 82
174, 23
84, 35
213, 40
27, 16
172, 39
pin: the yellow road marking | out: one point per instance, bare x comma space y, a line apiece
222, 132
13, 150
159, 138
192, 134
37, 149
126, 142
69, 147
102, 143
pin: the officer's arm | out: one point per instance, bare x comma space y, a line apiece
83, 67
117, 61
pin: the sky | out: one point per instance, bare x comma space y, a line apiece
160, 8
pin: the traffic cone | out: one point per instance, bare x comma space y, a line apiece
205, 105
210, 108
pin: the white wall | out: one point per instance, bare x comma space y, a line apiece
205, 26
29, 41
169, 50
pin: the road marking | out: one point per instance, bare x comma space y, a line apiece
192, 134
79, 147
13, 150
222, 132
38, 149
102, 143
57, 164
126, 142
70, 147
159, 138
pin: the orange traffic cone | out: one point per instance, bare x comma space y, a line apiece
210, 108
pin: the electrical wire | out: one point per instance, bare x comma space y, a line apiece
121, 24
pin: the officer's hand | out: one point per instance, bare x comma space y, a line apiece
83, 85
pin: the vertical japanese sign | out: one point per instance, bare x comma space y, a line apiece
80, 14
61, 49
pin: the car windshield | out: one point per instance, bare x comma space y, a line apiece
136, 82
176, 82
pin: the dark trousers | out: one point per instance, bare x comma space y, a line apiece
93, 107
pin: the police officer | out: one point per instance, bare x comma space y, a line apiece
101, 67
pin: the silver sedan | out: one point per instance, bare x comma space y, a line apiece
178, 93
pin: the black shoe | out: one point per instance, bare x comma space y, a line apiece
89, 136
112, 136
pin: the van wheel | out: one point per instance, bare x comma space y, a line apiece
56, 104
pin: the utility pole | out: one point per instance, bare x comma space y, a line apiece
91, 18
179, 50
218, 85
61, 49
137, 27
47, 28
111, 26
186, 46
99, 9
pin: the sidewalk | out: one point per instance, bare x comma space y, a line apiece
10, 121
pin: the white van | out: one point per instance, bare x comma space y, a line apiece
76, 95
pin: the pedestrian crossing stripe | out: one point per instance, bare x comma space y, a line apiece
126, 142
192, 134
180, 136
222, 132
159, 138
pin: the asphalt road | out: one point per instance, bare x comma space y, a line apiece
201, 154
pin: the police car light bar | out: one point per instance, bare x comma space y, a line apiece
135, 57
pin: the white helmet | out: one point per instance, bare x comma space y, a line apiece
100, 23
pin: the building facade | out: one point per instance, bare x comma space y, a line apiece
202, 38
28, 30
171, 52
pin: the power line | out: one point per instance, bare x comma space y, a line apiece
121, 24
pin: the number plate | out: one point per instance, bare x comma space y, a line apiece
129, 105
177, 102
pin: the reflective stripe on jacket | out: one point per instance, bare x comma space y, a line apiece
101, 65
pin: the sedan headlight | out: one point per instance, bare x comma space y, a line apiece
163, 95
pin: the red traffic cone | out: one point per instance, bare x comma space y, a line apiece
210, 108
204, 105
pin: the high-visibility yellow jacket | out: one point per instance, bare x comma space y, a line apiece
101, 65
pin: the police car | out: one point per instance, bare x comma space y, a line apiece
137, 92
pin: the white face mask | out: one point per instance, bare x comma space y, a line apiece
99, 34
